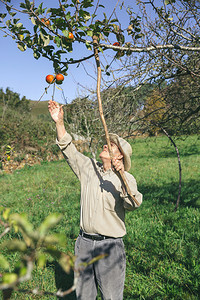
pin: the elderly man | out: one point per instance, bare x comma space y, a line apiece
102, 214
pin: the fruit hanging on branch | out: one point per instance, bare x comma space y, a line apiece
71, 36
59, 78
50, 79
116, 44
45, 21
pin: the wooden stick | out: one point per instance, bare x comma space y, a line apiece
120, 173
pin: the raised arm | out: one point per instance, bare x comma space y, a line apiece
57, 114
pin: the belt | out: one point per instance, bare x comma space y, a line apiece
96, 237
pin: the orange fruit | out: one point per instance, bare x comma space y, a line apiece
49, 79
45, 21
71, 36
59, 77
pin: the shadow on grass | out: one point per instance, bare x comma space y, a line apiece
63, 281
168, 193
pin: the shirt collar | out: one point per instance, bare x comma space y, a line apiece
107, 172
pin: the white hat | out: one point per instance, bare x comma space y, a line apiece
124, 147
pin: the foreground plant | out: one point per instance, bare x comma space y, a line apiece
35, 246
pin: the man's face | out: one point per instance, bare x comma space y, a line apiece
115, 150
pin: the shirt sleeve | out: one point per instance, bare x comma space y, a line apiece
76, 160
128, 202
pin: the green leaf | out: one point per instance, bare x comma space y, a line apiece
87, 17
66, 33
55, 253
19, 25
21, 46
88, 45
58, 238
22, 222
9, 278
49, 222
96, 258
137, 29
8, 23
28, 4
13, 14
36, 55
81, 33
93, 260
43, 37
57, 41
15, 245
68, 16
22, 5
33, 21
114, 20
106, 33
23, 271
47, 41
138, 36
40, 10
21, 37
41, 260
100, 49
6, 213
3, 16
66, 262
90, 33
83, 28
3, 262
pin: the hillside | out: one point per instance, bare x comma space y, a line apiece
27, 136
39, 108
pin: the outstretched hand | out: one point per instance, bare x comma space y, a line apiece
56, 111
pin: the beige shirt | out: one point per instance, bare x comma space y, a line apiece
103, 203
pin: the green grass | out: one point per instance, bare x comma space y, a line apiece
162, 246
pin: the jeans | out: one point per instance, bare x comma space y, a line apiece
107, 273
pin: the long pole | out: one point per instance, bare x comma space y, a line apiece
120, 173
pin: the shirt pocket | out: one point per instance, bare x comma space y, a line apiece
112, 204
109, 203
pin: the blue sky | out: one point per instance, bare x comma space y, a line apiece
23, 74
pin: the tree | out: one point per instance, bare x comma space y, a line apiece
10, 99
154, 111
154, 44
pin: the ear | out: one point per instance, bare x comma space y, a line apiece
120, 156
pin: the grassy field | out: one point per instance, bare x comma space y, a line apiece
162, 247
